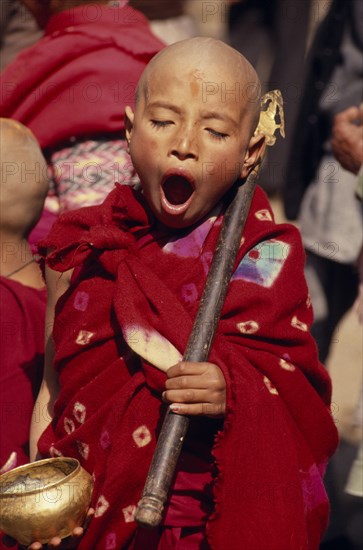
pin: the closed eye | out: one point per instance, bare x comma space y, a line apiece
161, 123
217, 135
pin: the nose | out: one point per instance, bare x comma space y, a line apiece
185, 146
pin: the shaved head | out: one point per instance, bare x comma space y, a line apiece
192, 134
221, 69
24, 181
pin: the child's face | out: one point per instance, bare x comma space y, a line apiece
189, 141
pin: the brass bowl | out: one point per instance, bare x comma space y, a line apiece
44, 499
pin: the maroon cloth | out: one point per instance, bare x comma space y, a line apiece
159, 9
134, 285
22, 322
77, 80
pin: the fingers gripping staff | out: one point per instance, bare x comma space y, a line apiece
150, 508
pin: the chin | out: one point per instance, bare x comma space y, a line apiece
175, 222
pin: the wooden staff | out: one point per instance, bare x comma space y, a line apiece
150, 508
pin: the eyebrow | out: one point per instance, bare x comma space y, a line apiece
165, 105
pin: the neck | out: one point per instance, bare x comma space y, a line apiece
17, 261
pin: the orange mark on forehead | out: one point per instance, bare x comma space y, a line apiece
194, 88
196, 78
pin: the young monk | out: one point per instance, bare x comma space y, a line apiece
23, 188
132, 274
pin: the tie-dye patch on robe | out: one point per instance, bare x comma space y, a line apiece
127, 318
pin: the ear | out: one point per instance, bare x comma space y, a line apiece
129, 123
255, 151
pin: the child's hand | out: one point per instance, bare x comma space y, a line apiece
69, 543
196, 389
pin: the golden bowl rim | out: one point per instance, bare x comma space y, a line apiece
41, 462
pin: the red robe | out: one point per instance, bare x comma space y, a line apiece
22, 322
137, 289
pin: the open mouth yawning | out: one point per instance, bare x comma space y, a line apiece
176, 192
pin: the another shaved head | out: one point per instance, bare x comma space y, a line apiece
24, 182
230, 71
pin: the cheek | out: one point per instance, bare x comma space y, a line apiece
143, 152
148, 141
226, 156
227, 169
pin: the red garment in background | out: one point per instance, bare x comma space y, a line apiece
22, 322
138, 289
77, 79
75, 83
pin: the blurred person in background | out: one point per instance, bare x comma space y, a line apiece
18, 30
320, 194
169, 21
71, 89
23, 188
280, 31
347, 146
